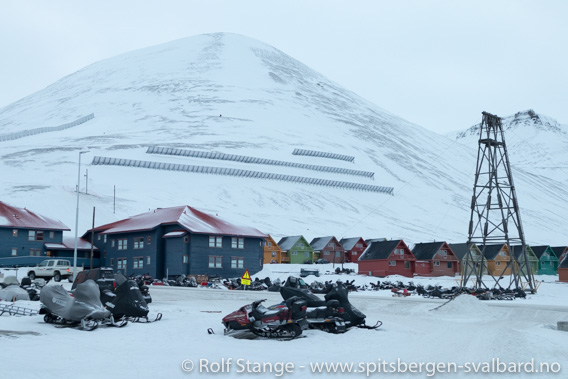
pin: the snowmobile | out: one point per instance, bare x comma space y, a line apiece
281, 321
82, 308
335, 314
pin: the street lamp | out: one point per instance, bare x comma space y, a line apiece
77, 217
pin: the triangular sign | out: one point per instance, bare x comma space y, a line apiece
246, 275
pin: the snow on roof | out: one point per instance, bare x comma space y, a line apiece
349, 243
69, 244
320, 243
286, 243
187, 217
14, 217
175, 233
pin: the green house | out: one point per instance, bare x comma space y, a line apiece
461, 249
547, 260
531, 257
297, 249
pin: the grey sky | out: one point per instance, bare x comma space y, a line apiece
438, 64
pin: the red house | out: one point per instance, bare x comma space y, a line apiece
435, 259
354, 247
328, 248
563, 270
387, 258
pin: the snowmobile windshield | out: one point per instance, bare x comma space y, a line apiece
311, 299
119, 278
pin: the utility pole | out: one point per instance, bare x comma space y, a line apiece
495, 215
86, 181
92, 238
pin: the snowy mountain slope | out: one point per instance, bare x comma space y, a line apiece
230, 94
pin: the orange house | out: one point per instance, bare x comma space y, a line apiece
272, 252
497, 259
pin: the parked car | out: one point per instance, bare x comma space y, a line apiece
53, 268
103, 276
322, 261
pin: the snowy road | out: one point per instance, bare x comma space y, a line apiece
462, 332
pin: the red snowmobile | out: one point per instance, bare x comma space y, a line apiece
281, 321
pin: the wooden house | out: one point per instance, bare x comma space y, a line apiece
24, 235
435, 259
272, 252
384, 258
168, 242
560, 252
461, 250
353, 247
547, 260
297, 249
531, 257
498, 259
563, 270
328, 248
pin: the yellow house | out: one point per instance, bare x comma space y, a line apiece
498, 257
273, 252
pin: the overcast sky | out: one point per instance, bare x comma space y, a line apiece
438, 64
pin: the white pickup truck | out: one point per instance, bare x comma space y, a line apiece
53, 268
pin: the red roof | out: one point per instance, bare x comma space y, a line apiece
13, 217
187, 217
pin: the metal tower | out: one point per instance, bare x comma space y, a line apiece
495, 216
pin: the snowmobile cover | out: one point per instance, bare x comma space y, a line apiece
85, 302
352, 315
129, 301
13, 293
10, 280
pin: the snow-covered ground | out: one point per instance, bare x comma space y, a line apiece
465, 332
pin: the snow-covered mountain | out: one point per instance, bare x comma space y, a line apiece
229, 94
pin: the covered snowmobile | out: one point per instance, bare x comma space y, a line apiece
281, 321
127, 301
334, 314
82, 308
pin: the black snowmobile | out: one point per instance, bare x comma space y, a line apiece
82, 308
335, 314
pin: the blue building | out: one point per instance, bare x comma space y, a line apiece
169, 242
25, 236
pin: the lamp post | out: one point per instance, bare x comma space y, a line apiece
77, 217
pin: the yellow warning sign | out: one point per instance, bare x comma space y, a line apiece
245, 279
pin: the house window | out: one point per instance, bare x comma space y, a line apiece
237, 262
450, 265
406, 264
111, 243
237, 243
331, 244
185, 258
51, 235
436, 263
326, 253
137, 262
121, 263
138, 243
498, 263
122, 244
353, 253
186, 239
399, 251
502, 253
112, 261
392, 263
148, 260
215, 241
149, 239
273, 253
105, 238
14, 232
442, 253
98, 237
358, 245
269, 243
35, 252
215, 261
294, 253
14, 251
34, 235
